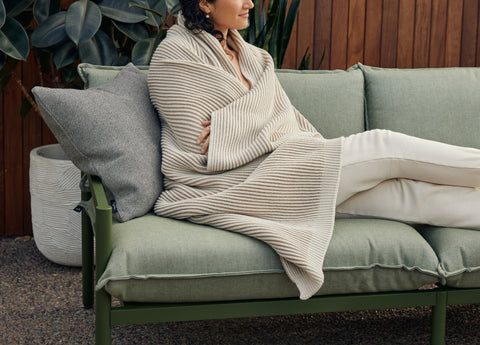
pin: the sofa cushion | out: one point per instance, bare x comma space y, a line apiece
95, 75
111, 132
333, 101
459, 255
439, 103
157, 259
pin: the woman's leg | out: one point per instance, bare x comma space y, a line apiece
378, 155
417, 202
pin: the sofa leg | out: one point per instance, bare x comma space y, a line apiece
87, 261
103, 333
439, 319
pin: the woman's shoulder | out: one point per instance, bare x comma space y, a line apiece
178, 42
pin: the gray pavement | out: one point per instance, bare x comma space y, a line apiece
40, 303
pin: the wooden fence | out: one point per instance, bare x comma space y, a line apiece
385, 33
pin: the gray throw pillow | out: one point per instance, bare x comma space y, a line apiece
111, 131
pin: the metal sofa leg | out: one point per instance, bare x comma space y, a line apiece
439, 319
103, 325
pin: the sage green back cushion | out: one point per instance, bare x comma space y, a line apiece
156, 259
439, 103
333, 101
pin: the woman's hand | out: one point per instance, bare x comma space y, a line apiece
204, 137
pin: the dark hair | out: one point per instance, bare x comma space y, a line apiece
195, 19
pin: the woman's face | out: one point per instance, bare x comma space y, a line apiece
227, 14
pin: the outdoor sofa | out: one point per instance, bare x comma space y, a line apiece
172, 270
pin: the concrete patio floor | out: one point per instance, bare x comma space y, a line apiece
40, 303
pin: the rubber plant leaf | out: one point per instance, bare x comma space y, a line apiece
65, 54
143, 50
135, 31
121, 11
98, 50
156, 10
14, 39
51, 31
3, 14
83, 20
3, 59
42, 9
15, 7
173, 7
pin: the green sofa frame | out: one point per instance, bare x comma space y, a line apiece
97, 225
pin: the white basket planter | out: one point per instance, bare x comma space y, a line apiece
55, 191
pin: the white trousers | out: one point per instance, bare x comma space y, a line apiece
392, 175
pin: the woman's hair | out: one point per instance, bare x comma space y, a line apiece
195, 19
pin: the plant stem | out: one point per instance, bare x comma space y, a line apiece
22, 88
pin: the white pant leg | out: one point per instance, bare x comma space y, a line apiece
378, 155
418, 202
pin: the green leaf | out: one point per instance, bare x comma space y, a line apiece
173, 7
42, 9
3, 59
305, 63
4, 76
135, 31
14, 40
83, 20
3, 13
121, 61
51, 31
15, 7
156, 10
65, 54
287, 30
143, 50
121, 11
98, 50
25, 107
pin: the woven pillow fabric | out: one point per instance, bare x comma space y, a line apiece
111, 131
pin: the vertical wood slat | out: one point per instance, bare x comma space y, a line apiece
14, 207
306, 25
469, 33
373, 32
388, 53
422, 34
323, 30
406, 27
338, 49
453, 38
32, 137
396, 33
356, 32
290, 59
438, 33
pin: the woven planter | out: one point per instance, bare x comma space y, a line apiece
55, 191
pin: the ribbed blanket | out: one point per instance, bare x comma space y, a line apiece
268, 173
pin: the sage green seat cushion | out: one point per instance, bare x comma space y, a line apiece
458, 251
157, 259
333, 101
441, 104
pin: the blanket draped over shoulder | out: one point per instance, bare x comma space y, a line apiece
268, 173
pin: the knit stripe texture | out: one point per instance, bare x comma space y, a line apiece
268, 173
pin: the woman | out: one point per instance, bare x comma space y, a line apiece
237, 155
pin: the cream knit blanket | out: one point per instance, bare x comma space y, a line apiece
268, 173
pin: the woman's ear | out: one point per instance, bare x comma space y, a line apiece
204, 6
